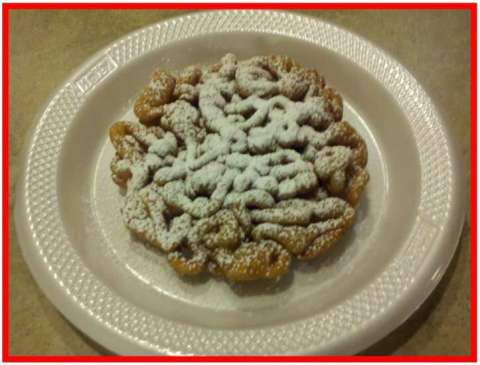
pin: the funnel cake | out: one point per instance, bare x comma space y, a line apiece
240, 167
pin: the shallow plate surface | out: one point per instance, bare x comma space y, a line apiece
123, 294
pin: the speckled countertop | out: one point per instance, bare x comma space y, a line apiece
45, 46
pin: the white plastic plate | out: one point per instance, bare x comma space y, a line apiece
124, 296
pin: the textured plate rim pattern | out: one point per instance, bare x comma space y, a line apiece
373, 311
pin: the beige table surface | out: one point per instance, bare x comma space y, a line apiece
45, 46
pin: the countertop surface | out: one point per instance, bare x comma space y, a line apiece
45, 46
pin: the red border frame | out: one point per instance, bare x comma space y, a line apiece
471, 7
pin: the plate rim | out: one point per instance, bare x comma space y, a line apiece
377, 328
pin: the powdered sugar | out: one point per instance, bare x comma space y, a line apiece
237, 151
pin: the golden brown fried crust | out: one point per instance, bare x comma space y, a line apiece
243, 241
253, 261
